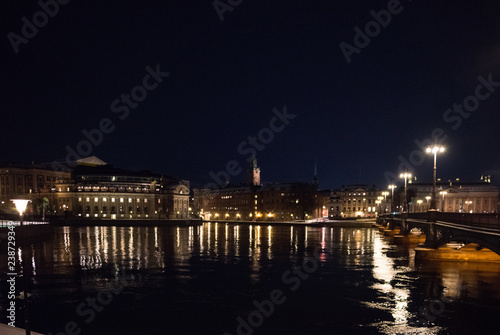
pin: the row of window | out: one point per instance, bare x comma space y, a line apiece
130, 200
463, 201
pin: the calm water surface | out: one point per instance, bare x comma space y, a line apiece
209, 280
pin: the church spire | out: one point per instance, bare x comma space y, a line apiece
253, 173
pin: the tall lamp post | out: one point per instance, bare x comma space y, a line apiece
406, 176
434, 150
21, 207
427, 198
419, 202
443, 193
468, 203
385, 194
392, 187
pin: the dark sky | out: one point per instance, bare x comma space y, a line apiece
226, 77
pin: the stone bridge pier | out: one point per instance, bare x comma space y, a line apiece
475, 237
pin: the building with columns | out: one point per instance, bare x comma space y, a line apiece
353, 201
36, 182
95, 189
456, 196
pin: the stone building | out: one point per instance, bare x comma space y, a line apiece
35, 182
455, 196
95, 189
252, 201
353, 201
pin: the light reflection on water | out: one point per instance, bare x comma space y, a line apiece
358, 268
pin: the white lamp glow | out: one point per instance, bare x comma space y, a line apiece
20, 205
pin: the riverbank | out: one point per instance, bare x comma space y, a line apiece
126, 223
331, 223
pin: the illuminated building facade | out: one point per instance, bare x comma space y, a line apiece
34, 182
272, 202
456, 196
356, 201
98, 190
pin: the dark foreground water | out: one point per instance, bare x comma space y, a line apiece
241, 279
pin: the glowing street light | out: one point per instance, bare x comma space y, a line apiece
21, 207
443, 193
434, 150
392, 187
385, 194
419, 202
406, 176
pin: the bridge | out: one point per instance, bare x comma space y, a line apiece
441, 228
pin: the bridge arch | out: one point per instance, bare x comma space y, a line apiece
468, 239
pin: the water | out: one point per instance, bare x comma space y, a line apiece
210, 280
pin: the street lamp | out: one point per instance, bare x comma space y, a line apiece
406, 176
434, 150
419, 202
427, 198
392, 187
385, 194
468, 203
443, 193
21, 207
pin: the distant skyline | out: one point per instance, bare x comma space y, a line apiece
172, 88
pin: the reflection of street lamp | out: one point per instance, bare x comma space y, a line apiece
21, 207
434, 150
406, 176
378, 203
392, 187
443, 193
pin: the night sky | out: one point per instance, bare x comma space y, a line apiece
226, 77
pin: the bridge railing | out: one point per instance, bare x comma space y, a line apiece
420, 216
472, 219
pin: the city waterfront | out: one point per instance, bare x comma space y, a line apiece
241, 279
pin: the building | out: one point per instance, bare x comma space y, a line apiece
455, 196
353, 201
95, 189
290, 201
252, 201
334, 206
36, 182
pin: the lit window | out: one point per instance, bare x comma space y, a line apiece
129, 199
88, 199
146, 201
96, 199
138, 200
80, 199
104, 199
112, 199
121, 199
